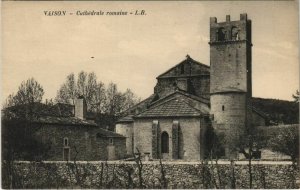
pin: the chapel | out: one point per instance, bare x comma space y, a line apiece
190, 97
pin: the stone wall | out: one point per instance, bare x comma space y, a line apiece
189, 76
229, 108
83, 142
189, 136
118, 174
126, 129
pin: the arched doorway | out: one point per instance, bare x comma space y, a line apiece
165, 144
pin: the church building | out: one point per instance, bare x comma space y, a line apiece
192, 96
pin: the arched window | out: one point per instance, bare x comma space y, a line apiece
223, 108
66, 141
164, 142
111, 141
234, 33
221, 34
66, 150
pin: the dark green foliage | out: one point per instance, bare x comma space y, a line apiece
19, 134
286, 140
106, 121
214, 148
278, 111
296, 96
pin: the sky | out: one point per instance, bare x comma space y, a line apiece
133, 50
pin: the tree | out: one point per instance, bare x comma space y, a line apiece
249, 144
18, 121
9, 101
106, 104
114, 99
246, 141
98, 98
286, 141
296, 96
213, 144
95, 94
129, 100
29, 91
87, 86
82, 84
67, 91
118, 102
19, 139
19, 127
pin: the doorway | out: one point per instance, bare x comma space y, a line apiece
66, 154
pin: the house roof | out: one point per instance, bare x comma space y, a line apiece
108, 134
54, 120
187, 100
174, 107
58, 114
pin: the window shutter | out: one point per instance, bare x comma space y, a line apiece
155, 138
175, 141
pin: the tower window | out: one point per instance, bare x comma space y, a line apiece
221, 34
223, 108
234, 33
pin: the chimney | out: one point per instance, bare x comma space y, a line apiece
80, 108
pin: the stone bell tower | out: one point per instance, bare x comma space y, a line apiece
230, 79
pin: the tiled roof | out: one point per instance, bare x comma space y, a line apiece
64, 121
171, 108
58, 114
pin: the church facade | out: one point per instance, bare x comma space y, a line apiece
191, 96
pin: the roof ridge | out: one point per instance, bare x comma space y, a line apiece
183, 93
172, 68
199, 62
60, 120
